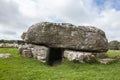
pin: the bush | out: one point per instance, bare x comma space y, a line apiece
114, 45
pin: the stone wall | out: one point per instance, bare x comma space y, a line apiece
8, 45
42, 53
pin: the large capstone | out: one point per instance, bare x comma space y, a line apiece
68, 36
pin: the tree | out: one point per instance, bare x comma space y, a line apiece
114, 45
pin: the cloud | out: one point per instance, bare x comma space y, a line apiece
109, 22
64, 10
8, 32
17, 15
12, 22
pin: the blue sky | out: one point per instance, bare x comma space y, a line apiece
112, 3
16, 16
99, 3
115, 3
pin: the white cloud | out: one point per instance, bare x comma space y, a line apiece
109, 22
18, 15
69, 10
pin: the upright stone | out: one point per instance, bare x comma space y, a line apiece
27, 53
78, 56
40, 52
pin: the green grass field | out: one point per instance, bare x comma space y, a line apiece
19, 68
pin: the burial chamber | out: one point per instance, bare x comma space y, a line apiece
55, 56
60, 36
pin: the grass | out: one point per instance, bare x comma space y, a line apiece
113, 53
19, 68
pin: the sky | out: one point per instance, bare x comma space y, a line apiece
16, 16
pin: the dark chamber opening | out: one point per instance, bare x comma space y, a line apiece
55, 56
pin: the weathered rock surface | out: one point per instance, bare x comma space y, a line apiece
23, 35
36, 51
78, 56
27, 53
65, 35
22, 47
40, 53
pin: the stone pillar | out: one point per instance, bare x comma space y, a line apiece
40, 53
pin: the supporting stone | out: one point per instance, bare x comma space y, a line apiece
27, 53
40, 52
79, 56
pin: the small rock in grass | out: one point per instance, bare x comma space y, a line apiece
5, 55
107, 61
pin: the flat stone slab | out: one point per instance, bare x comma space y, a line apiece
68, 36
5, 55
107, 61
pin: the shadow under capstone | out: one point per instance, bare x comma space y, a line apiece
55, 56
